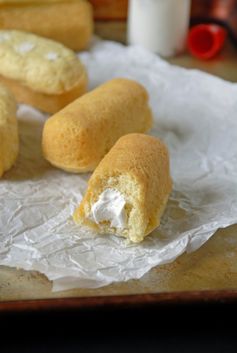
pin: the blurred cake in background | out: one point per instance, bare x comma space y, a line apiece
69, 22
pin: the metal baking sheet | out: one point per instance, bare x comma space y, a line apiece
209, 273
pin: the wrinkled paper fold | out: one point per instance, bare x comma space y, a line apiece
195, 114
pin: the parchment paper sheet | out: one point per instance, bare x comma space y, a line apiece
195, 114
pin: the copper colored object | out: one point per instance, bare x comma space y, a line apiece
219, 9
222, 12
107, 10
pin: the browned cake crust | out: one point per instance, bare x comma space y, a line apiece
138, 167
77, 138
69, 22
9, 139
50, 103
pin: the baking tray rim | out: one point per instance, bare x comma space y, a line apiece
121, 301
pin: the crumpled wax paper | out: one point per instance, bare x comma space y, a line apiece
195, 114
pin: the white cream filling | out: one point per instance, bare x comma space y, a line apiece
110, 207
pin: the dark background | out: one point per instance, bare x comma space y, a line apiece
208, 327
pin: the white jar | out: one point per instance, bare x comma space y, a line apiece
159, 25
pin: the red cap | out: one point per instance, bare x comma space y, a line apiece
206, 40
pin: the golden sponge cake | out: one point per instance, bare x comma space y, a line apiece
128, 191
39, 71
69, 22
9, 142
78, 137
